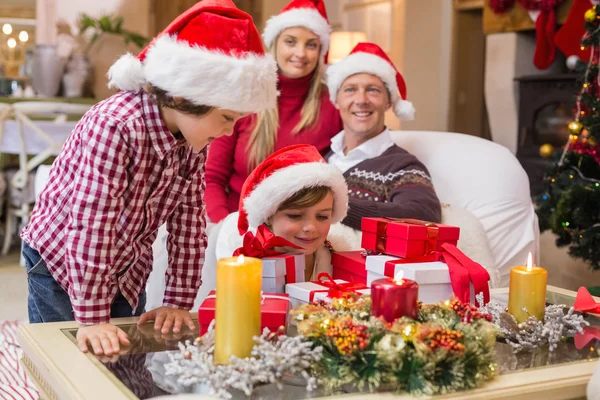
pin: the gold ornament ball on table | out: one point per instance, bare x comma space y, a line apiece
590, 15
546, 150
575, 127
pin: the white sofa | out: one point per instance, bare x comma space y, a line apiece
485, 179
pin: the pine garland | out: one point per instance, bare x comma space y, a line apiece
449, 348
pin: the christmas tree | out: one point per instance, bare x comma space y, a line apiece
570, 205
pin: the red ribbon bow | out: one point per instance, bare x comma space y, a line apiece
589, 334
463, 271
584, 302
335, 290
263, 244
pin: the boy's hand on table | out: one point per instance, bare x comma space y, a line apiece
166, 317
105, 339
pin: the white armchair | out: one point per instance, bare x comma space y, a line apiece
485, 179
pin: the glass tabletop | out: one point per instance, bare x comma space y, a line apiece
140, 367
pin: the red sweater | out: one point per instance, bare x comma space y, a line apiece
227, 162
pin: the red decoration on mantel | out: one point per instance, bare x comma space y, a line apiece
541, 5
545, 28
501, 6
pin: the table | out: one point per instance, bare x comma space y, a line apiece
61, 371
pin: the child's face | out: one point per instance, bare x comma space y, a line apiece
199, 131
297, 52
363, 100
305, 227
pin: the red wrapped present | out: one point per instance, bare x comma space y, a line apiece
406, 237
349, 266
273, 311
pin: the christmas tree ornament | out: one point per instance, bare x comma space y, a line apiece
590, 15
546, 150
572, 62
575, 127
569, 35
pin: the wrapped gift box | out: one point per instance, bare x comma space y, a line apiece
307, 292
349, 266
279, 270
273, 311
433, 277
406, 239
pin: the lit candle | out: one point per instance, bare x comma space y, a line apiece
527, 290
393, 298
237, 309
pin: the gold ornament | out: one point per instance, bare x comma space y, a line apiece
590, 15
592, 141
546, 150
575, 127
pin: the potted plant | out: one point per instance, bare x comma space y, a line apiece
107, 42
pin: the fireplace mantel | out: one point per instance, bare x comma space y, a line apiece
517, 18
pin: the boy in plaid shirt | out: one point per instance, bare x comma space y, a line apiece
136, 161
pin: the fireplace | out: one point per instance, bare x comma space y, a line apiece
546, 106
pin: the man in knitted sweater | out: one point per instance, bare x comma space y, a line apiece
383, 179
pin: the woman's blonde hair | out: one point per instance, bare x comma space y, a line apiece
263, 136
305, 197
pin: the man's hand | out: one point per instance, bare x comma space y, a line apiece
105, 339
166, 317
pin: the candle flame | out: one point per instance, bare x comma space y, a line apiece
240, 259
398, 278
529, 262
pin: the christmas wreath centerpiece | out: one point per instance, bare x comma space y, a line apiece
449, 347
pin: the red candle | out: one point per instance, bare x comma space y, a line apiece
393, 298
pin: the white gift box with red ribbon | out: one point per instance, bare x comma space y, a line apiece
277, 271
433, 277
308, 292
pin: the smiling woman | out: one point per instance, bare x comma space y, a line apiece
298, 38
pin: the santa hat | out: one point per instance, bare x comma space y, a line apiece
210, 55
283, 174
371, 59
310, 14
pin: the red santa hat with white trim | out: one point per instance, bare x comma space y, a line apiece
283, 174
371, 59
309, 14
210, 55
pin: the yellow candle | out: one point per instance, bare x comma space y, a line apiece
237, 309
527, 290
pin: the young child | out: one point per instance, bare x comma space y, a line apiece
136, 161
296, 196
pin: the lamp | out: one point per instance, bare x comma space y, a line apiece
341, 43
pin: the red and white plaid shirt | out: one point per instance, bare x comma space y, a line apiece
121, 175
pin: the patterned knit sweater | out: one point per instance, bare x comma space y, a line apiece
395, 184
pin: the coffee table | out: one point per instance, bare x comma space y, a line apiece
61, 371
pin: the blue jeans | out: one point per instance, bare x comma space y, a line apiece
48, 302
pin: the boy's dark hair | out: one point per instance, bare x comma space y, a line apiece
163, 99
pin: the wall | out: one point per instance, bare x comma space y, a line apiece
424, 59
508, 56
136, 13
418, 39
